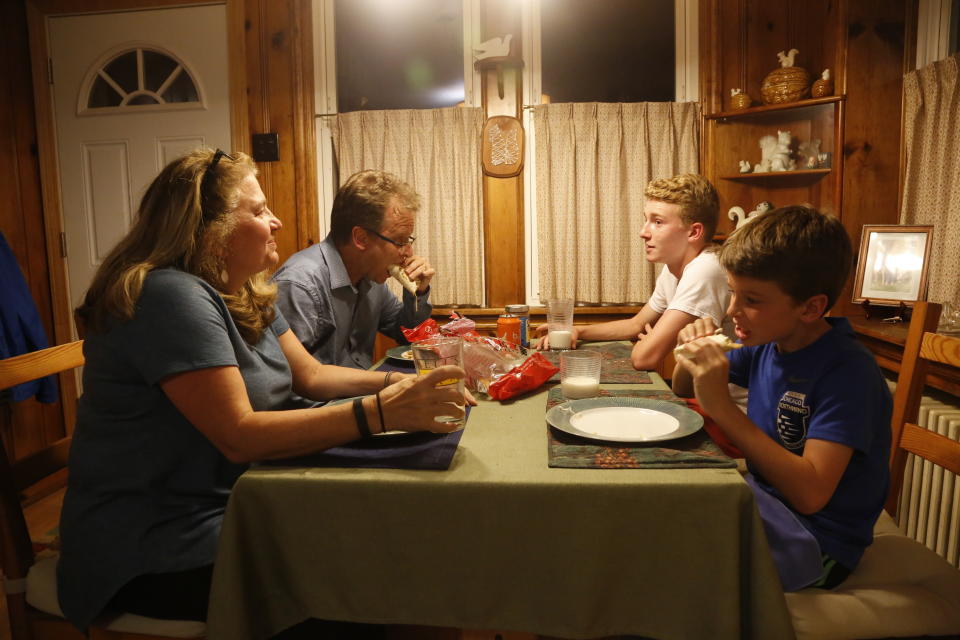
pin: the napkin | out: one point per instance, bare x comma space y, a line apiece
569, 451
615, 364
415, 450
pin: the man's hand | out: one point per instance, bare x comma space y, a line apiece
543, 330
420, 271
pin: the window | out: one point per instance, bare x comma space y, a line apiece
139, 77
399, 55
607, 50
601, 51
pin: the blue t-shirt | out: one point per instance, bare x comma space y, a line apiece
830, 390
147, 491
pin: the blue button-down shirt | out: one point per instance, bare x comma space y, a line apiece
336, 321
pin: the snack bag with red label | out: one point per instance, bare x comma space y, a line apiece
422, 331
529, 375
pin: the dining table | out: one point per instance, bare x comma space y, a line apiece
524, 528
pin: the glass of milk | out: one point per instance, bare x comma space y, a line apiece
580, 374
560, 323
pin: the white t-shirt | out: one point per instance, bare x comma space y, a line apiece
701, 291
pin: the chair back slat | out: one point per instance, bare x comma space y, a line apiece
39, 364
923, 345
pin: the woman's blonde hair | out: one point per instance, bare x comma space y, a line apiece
183, 222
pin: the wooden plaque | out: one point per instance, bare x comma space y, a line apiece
501, 146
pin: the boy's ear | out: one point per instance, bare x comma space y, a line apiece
814, 307
695, 231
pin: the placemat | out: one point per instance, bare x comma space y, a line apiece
568, 451
615, 364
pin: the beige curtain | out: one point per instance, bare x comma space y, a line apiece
931, 190
437, 151
593, 161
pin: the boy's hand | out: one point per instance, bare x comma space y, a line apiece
699, 328
707, 364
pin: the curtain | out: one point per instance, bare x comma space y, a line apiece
593, 162
931, 188
436, 151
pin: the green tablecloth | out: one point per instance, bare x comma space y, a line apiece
499, 541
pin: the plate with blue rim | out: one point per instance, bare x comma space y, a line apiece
624, 419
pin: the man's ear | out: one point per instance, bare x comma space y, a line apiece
696, 231
814, 307
360, 238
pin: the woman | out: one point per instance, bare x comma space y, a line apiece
188, 370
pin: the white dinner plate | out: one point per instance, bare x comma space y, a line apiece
624, 419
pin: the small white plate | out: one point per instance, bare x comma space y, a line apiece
625, 419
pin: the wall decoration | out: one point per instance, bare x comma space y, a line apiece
893, 263
502, 146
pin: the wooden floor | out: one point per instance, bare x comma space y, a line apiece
42, 518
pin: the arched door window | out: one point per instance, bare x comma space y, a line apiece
136, 78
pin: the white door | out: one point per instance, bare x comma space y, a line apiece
131, 91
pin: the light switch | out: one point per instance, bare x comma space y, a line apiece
266, 147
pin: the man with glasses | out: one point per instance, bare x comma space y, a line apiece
333, 293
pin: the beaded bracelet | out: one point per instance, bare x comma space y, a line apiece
383, 424
361, 417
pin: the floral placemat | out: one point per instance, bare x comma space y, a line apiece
569, 451
615, 365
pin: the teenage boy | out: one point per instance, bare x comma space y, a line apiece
681, 216
816, 436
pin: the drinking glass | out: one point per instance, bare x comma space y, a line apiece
560, 323
580, 374
437, 351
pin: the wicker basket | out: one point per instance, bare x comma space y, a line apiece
740, 101
786, 84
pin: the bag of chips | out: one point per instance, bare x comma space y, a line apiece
422, 331
527, 376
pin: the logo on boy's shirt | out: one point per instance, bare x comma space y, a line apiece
792, 415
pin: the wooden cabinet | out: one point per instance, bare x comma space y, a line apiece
731, 137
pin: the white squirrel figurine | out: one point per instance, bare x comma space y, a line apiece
745, 166
786, 58
775, 153
736, 213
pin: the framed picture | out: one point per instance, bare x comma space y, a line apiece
893, 263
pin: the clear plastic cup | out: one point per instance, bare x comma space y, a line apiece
437, 351
560, 323
580, 374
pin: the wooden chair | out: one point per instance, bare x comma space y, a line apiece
901, 588
30, 579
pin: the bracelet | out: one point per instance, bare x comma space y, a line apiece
386, 379
361, 417
383, 424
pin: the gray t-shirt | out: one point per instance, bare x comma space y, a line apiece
147, 491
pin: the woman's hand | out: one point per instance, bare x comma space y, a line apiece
413, 404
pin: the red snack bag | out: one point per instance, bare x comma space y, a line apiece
422, 331
529, 375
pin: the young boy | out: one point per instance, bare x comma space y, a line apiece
816, 436
681, 216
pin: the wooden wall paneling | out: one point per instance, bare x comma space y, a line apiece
503, 227
23, 227
876, 50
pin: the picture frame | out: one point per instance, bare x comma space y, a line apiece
893, 264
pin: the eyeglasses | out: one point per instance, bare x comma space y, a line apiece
399, 245
205, 180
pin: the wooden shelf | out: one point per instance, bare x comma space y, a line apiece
776, 174
771, 108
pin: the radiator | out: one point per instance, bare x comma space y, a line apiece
929, 509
